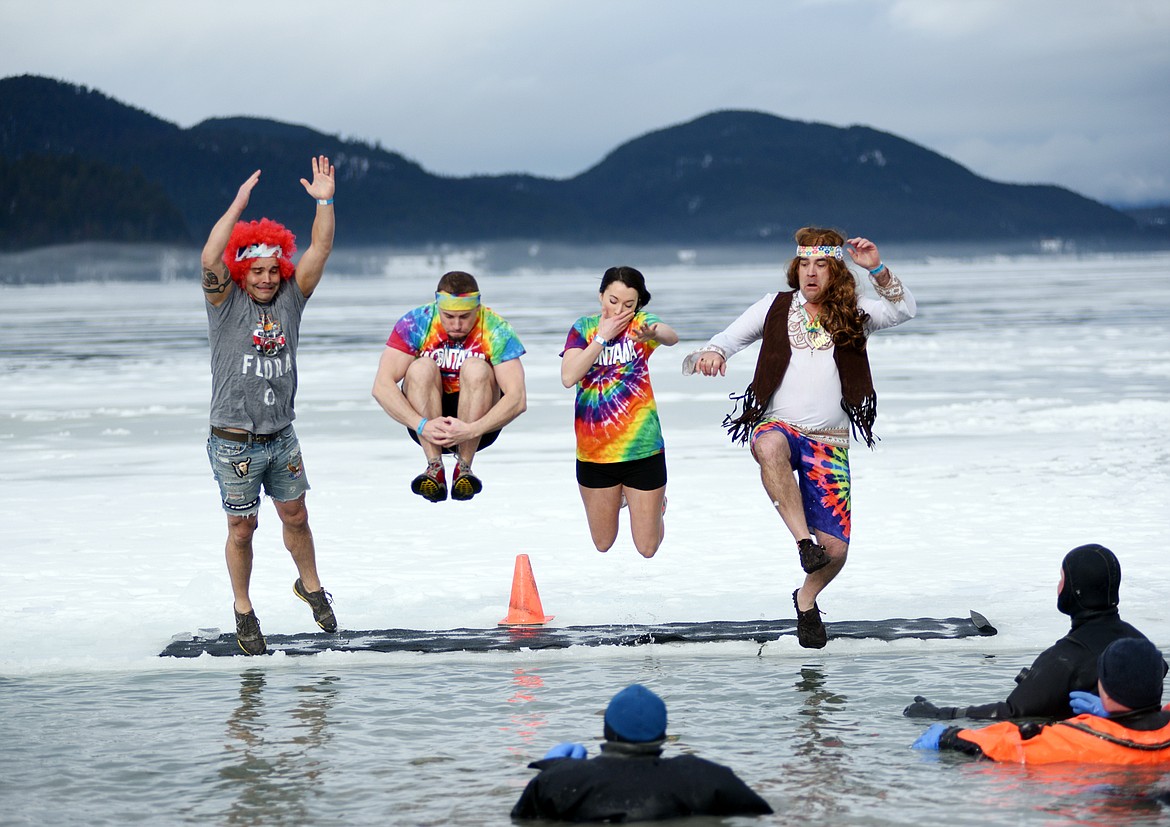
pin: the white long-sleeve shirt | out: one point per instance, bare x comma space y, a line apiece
809, 398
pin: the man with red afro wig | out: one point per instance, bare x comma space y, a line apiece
255, 298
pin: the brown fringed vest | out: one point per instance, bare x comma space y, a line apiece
858, 398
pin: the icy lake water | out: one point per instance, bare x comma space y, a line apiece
1021, 414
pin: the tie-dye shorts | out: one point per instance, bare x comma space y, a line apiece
823, 474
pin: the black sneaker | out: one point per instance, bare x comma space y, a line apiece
248, 634
812, 557
464, 485
319, 602
810, 631
431, 485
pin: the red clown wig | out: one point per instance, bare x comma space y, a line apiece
265, 232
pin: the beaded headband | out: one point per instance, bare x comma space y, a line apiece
456, 302
259, 251
823, 251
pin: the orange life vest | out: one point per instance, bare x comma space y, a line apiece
1086, 739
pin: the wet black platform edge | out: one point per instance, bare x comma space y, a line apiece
518, 638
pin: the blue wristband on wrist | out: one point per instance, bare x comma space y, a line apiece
422, 424
877, 269
324, 202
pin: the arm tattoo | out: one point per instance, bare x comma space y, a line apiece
213, 282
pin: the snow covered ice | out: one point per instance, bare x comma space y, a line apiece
1021, 414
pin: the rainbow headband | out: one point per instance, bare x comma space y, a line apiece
823, 251
456, 302
259, 251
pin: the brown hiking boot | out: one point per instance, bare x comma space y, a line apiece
248, 634
812, 557
319, 602
810, 631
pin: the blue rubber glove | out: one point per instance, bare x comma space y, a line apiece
1086, 702
929, 739
567, 750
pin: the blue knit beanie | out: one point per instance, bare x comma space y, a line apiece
1131, 670
637, 715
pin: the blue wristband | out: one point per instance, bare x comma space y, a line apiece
324, 202
422, 424
877, 269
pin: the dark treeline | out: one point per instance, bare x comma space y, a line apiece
76, 165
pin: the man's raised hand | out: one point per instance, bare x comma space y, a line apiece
864, 252
245, 191
323, 185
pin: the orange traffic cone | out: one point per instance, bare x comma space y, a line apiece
524, 608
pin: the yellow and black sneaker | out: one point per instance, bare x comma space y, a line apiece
319, 602
248, 634
431, 485
465, 485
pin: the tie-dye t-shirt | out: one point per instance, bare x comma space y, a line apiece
616, 417
420, 333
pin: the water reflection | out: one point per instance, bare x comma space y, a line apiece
822, 779
526, 720
274, 762
1075, 793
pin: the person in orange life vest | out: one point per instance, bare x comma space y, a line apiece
1089, 592
1123, 724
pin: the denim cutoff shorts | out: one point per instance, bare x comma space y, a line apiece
241, 468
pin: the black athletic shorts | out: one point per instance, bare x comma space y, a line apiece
451, 408
645, 474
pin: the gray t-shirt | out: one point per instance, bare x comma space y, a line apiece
254, 359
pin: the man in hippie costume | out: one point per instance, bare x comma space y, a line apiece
255, 296
451, 375
812, 384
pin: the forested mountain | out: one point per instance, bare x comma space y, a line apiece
77, 165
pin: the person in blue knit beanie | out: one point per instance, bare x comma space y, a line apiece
630, 780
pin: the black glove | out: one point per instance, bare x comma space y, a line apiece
922, 708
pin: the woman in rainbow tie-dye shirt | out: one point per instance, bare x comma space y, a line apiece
620, 452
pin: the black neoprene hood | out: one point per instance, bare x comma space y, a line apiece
1092, 579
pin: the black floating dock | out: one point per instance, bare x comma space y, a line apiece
514, 638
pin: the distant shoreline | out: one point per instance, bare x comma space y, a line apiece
150, 262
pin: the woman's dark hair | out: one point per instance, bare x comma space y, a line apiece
630, 278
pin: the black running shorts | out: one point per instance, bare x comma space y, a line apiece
451, 408
645, 474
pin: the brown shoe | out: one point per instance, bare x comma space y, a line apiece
319, 602
248, 634
810, 631
812, 557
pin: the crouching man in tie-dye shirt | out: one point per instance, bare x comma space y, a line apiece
451, 374
620, 451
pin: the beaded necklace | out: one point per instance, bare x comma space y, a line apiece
818, 337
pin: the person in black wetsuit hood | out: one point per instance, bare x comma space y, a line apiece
630, 780
1090, 578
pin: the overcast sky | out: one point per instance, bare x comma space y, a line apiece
1071, 92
